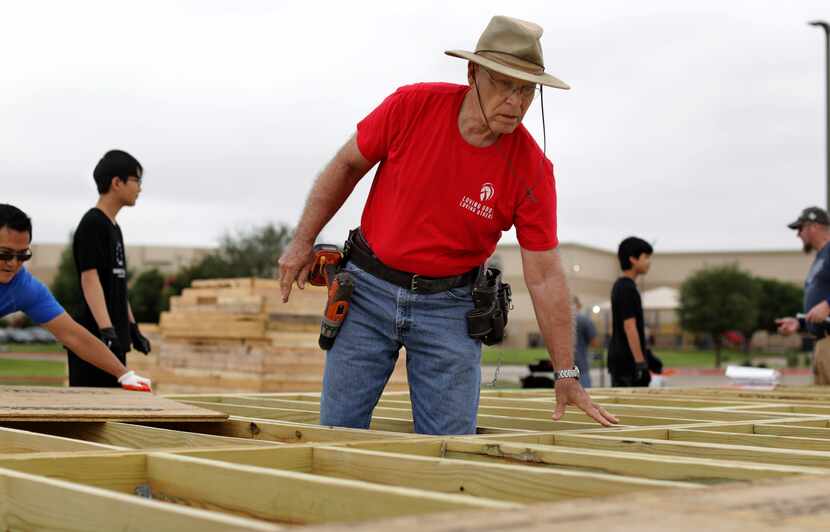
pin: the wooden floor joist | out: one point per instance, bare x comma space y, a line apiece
271, 464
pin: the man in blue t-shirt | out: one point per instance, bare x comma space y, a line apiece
813, 228
19, 290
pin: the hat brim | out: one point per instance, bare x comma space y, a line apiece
796, 224
544, 79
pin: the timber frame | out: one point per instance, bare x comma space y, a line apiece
271, 465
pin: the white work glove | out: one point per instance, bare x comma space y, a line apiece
136, 383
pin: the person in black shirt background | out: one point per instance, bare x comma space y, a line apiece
627, 350
101, 263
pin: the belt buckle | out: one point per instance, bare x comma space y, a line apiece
413, 284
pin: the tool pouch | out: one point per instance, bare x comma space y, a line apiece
492, 299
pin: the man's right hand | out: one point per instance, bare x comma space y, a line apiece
110, 339
294, 265
135, 383
787, 326
569, 392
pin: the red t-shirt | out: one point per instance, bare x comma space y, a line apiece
438, 205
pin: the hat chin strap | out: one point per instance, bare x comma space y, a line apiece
481, 106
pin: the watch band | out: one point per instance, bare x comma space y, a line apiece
572, 373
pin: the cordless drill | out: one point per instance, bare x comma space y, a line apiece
324, 272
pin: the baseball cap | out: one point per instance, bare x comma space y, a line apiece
815, 215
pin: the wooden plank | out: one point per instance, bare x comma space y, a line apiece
37, 503
697, 450
789, 430
118, 471
298, 458
616, 463
291, 497
13, 440
753, 440
799, 505
278, 431
123, 435
495, 481
32, 403
260, 412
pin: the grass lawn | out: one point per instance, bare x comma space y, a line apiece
32, 348
32, 368
671, 359
32, 372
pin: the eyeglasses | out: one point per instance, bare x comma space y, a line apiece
7, 256
136, 179
507, 88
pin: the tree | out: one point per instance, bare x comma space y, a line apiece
146, 296
254, 253
251, 253
66, 286
719, 299
777, 299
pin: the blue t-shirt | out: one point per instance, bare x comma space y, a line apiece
817, 285
26, 293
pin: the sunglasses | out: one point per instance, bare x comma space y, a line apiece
7, 256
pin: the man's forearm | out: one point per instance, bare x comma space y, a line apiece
552, 305
84, 344
93, 293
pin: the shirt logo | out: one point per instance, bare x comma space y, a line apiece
487, 192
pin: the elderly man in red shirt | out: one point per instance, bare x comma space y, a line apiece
456, 169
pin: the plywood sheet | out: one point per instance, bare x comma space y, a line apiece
42, 403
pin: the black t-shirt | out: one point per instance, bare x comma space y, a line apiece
98, 245
625, 304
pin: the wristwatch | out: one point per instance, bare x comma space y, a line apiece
572, 373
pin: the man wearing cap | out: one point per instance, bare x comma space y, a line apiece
101, 263
813, 228
456, 169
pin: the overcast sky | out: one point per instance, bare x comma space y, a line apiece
697, 124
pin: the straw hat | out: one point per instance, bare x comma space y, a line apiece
512, 47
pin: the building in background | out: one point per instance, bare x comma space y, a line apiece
592, 271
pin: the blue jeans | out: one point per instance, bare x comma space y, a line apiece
582, 362
443, 363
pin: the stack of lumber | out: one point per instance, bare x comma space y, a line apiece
681, 459
237, 335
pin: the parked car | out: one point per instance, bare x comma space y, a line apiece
21, 336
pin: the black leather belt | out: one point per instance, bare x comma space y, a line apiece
358, 252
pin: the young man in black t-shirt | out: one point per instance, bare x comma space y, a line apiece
627, 350
101, 262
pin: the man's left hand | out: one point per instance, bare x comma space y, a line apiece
819, 313
139, 341
570, 392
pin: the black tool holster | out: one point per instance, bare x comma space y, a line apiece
492, 299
